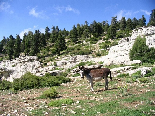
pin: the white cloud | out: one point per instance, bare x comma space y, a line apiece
123, 13
120, 15
33, 12
24, 31
42, 30
4, 6
66, 9
146, 12
37, 14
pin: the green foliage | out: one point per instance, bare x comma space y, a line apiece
93, 40
143, 80
86, 63
33, 43
75, 75
50, 93
59, 102
78, 50
29, 81
136, 74
150, 72
140, 51
5, 85
123, 75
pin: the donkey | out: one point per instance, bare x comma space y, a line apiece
95, 74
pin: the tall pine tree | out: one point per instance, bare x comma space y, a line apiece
17, 46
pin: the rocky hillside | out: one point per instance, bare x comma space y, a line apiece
118, 54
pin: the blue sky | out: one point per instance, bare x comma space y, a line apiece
20, 16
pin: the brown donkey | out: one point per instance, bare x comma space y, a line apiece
95, 74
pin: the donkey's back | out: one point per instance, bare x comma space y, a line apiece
102, 72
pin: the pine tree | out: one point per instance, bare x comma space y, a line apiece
3, 45
142, 21
74, 35
152, 18
28, 43
79, 31
113, 28
54, 34
10, 47
17, 46
60, 44
35, 43
47, 33
123, 23
134, 23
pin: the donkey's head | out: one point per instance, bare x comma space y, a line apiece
81, 71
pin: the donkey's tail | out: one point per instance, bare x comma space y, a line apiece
110, 76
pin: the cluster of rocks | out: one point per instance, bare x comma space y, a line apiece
9, 70
118, 54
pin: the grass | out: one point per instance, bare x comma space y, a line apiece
76, 99
61, 102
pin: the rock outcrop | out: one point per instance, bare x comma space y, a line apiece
119, 54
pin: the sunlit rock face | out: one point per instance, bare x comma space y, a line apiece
119, 54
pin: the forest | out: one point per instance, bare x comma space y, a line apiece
55, 40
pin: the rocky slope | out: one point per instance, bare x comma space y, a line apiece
118, 54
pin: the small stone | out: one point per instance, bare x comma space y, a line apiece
1, 104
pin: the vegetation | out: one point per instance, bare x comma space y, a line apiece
61, 102
122, 98
127, 94
140, 51
30, 81
57, 41
50, 93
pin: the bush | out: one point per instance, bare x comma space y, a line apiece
60, 102
137, 74
123, 75
150, 72
93, 40
29, 81
143, 80
5, 85
140, 51
50, 93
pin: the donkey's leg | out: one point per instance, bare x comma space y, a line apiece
91, 85
106, 83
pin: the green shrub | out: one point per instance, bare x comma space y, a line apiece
143, 80
136, 74
50, 93
81, 63
75, 75
56, 80
140, 51
93, 40
150, 72
5, 85
27, 81
60, 102
123, 75
83, 52
98, 54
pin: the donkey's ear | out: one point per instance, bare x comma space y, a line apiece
81, 67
